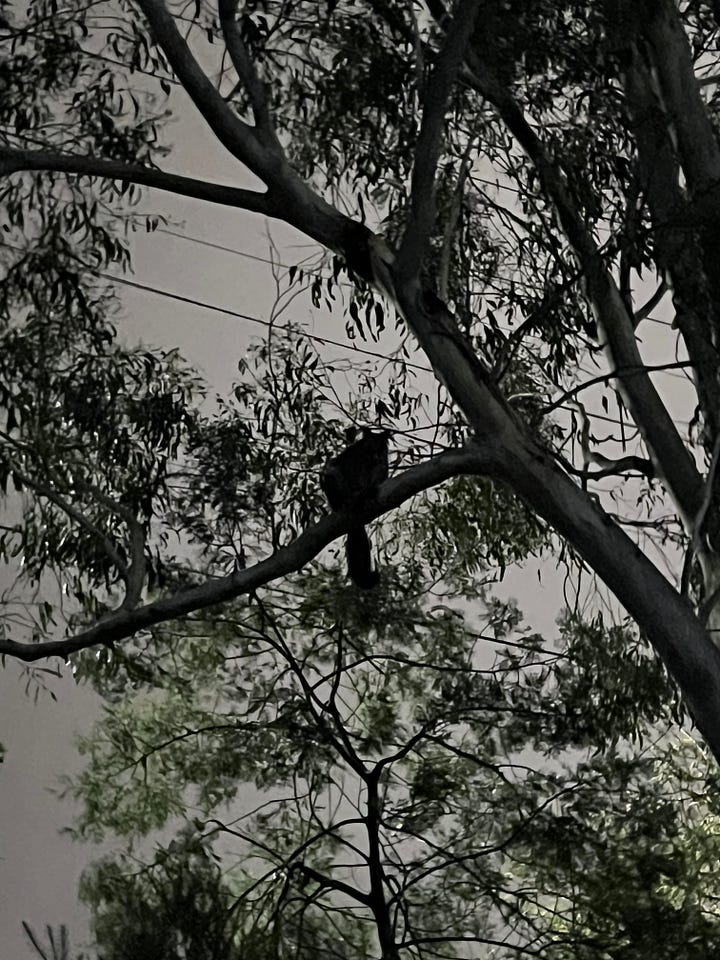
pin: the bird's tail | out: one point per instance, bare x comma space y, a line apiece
357, 548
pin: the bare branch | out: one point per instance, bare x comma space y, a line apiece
708, 81
625, 372
647, 308
607, 466
427, 152
12, 160
247, 72
324, 880
611, 468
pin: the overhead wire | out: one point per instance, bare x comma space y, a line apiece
313, 337
206, 305
268, 324
227, 311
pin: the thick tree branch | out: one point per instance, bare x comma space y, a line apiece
696, 137
289, 198
696, 142
677, 251
667, 619
427, 152
504, 448
235, 135
247, 73
121, 624
13, 160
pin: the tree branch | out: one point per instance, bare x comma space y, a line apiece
673, 462
531, 471
247, 73
323, 880
238, 137
504, 447
427, 152
289, 198
643, 369
677, 252
49, 493
611, 468
647, 308
696, 136
123, 623
135, 578
13, 160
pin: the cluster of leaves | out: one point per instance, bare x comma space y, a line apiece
251, 474
246, 486
474, 528
90, 432
183, 904
177, 906
65, 83
90, 428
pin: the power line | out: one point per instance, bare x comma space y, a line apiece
189, 238
220, 246
204, 305
267, 324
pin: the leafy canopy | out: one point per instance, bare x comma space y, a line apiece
519, 198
